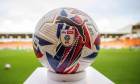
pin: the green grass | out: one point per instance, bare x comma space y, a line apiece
121, 66
23, 63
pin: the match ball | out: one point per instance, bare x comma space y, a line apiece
66, 40
7, 66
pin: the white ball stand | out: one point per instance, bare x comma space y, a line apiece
66, 77
90, 76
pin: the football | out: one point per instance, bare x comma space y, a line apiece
7, 66
66, 40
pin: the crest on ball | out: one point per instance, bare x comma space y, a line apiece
67, 37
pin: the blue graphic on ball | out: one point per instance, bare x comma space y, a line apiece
67, 37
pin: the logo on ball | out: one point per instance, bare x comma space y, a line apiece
67, 37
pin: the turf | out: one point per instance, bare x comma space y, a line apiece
121, 66
23, 63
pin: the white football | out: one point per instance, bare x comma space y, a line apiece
66, 40
7, 66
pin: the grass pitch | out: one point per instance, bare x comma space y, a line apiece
22, 62
120, 66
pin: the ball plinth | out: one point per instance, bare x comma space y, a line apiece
66, 77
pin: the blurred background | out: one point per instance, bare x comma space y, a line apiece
118, 22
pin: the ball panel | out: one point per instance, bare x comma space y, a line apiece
47, 18
49, 30
50, 17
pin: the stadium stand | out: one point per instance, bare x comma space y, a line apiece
126, 37
16, 41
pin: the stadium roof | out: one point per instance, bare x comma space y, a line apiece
126, 29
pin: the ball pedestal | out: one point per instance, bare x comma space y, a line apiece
66, 77
90, 76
